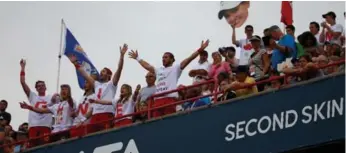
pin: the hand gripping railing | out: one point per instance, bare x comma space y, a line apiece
215, 93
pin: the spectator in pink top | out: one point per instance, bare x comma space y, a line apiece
219, 66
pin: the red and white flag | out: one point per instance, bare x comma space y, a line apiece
286, 12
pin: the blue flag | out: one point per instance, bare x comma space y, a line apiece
72, 47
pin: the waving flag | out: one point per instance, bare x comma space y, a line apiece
72, 47
286, 12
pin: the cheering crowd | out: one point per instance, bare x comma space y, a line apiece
274, 54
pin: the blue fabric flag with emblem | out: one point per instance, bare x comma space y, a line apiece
72, 47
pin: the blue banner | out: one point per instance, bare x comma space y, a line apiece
72, 47
301, 115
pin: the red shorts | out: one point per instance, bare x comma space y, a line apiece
123, 122
166, 110
77, 131
38, 131
101, 121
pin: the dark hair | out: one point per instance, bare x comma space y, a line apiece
170, 55
316, 25
266, 30
307, 57
203, 53
25, 123
4, 101
291, 27
37, 82
266, 40
305, 36
222, 76
248, 26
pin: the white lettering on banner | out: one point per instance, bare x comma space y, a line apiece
110, 148
286, 119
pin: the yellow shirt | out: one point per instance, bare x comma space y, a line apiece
247, 91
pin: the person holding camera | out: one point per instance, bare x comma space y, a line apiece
229, 54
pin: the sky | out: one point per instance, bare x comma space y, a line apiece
31, 30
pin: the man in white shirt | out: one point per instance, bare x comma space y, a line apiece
244, 44
105, 89
201, 69
39, 124
62, 111
167, 78
333, 30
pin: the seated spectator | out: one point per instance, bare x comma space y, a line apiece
9, 146
306, 70
321, 62
243, 81
8, 130
275, 83
282, 50
229, 54
218, 66
201, 70
334, 68
141, 106
20, 136
309, 43
5, 115
24, 127
223, 84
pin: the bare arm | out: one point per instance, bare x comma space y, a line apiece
81, 70
266, 63
234, 39
117, 74
24, 105
143, 63
22, 79
322, 35
201, 72
188, 60
102, 102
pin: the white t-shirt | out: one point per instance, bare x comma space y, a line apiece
82, 109
317, 36
62, 112
104, 91
167, 79
245, 51
205, 66
337, 28
37, 119
124, 108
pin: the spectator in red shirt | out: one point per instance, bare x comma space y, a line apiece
167, 77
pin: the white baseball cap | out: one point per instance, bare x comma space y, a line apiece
227, 5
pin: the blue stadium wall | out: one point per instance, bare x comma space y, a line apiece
302, 115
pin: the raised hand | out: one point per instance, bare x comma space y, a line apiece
22, 63
72, 58
133, 54
24, 105
138, 87
204, 44
123, 49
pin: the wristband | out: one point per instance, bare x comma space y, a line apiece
138, 59
22, 73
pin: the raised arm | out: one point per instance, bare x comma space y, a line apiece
234, 39
188, 60
136, 93
80, 69
22, 78
117, 74
134, 55
24, 105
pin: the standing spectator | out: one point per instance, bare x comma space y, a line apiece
105, 89
39, 124
201, 70
282, 50
81, 112
315, 30
266, 32
147, 91
243, 81
244, 44
62, 111
269, 48
124, 105
168, 77
218, 66
290, 29
229, 54
5, 116
333, 29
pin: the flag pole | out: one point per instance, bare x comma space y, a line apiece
60, 52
